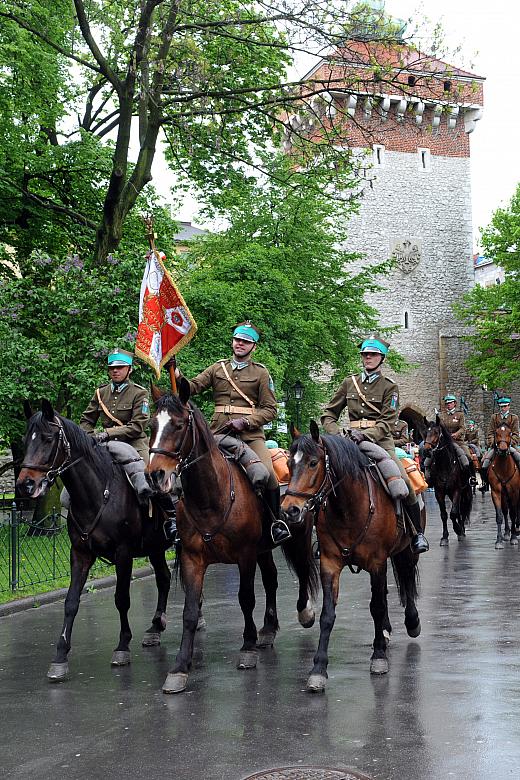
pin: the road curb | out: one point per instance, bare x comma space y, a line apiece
33, 602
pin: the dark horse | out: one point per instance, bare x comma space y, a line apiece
357, 526
448, 479
104, 520
504, 481
219, 521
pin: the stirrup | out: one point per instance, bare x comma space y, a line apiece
419, 544
280, 532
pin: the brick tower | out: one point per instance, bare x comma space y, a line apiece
413, 123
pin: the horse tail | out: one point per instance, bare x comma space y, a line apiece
406, 573
177, 568
298, 553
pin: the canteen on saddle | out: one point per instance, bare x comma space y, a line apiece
411, 467
280, 460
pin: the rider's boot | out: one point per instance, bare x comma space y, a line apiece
168, 503
484, 477
141, 486
419, 542
279, 528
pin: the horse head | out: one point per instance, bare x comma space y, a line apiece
435, 434
308, 473
172, 436
46, 451
503, 437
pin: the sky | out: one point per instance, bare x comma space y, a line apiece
488, 34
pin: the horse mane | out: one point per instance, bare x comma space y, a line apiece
446, 435
80, 442
172, 403
346, 459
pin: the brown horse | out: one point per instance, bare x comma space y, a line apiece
220, 520
504, 481
357, 527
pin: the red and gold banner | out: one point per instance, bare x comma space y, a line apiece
165, 322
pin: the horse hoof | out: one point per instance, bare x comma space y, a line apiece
151, 639
499, 545
414, 632
175, 682
444, 542
387, 635
514, 541
120, 658
58, 672
507, 536
266, 639
201, 623
307, 617
378, 666
247, 659
316, 683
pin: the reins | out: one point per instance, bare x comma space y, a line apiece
53, 473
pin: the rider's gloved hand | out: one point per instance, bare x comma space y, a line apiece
236, 426
101, 437
356, 435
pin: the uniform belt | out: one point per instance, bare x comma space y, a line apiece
228, 409
362, 423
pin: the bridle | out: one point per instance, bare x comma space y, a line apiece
438, 447
53, 472
187, 461
315, 500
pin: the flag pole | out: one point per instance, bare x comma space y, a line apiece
171, 365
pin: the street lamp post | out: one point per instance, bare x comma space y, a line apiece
298, 395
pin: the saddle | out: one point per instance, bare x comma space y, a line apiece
388, 470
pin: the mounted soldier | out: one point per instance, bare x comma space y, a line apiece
503, 416
123, 409
455, 423
243, 393
372, 401
400, 433
473, 438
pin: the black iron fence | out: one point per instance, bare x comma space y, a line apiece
34, 552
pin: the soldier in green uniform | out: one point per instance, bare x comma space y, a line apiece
473, 438
243, 393
400, 433
121, 406
372, 401
123, 409
504, 415
454, 421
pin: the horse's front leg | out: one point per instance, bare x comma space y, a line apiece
456, 516
267, 633
193, 571
329, 571
80, 564
121, 655
405, 568
300, 554
152, 636
440, 497
378, 610
496, 497
248, 656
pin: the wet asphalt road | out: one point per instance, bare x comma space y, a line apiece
449, 707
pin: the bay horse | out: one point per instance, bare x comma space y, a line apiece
357, 526
504, 481
219, 520
105, 520
448, 479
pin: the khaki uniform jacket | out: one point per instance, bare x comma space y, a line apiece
455, 424
472, 437
400, 433
254, 381
131, 406
382, 393
496, 421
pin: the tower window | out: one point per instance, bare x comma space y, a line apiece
447, 86
424, 159
412, 81
379, 155
406, 320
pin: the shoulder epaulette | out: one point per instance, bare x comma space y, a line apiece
105, 385
140, 387
255, 363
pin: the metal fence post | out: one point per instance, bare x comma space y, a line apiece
14, 545
53, 542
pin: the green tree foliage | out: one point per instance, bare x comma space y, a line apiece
494, 312
281, 264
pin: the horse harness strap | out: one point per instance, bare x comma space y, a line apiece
85, 534
504, 482
53, 473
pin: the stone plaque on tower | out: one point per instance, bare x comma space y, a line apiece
407, 253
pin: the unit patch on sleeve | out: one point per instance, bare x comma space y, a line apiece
395, 401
